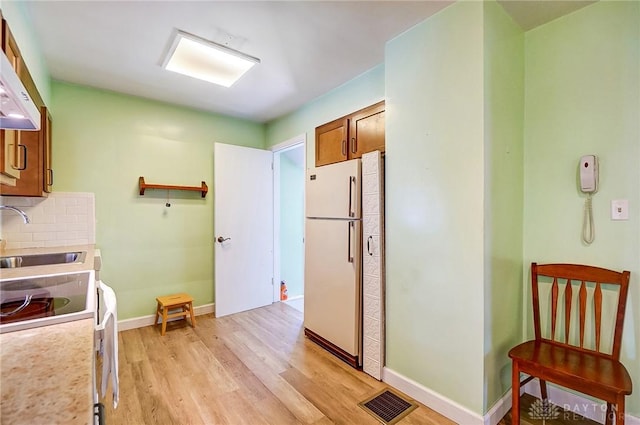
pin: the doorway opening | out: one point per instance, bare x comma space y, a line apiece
289, 166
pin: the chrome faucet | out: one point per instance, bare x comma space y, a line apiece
17, 210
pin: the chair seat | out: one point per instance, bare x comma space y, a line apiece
587, 372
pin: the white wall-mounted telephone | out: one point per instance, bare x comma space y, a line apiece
589, 173
588, 184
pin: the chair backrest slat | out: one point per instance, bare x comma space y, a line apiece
554, 306
597, 311
567, 311
583, 311
591, 282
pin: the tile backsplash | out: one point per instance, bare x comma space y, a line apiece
63, 218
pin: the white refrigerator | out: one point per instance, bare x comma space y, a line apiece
332, 277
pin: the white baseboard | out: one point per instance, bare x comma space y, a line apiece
295, 297
431, 399
140, 322
498, 410
594, 410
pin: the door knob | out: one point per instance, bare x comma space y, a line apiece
221, 239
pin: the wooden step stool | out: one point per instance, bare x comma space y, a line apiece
184, 302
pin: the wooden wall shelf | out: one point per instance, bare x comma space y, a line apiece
203, 189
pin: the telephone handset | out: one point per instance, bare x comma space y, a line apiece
589, 185
589, 174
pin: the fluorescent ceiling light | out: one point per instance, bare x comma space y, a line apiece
203, 59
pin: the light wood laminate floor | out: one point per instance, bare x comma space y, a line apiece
252, 368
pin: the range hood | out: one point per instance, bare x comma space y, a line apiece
17, 110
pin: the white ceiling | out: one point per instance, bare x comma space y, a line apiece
531, 13
306, 48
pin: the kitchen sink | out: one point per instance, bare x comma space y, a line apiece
42, 259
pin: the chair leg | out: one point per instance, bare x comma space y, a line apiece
164, 321
515, 394
193, 318
543, 389
608, 419
157, 314
618, 410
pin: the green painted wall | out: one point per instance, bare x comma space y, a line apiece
102, 143
583, 97
292, 225
16, 16
434, 189
504, 192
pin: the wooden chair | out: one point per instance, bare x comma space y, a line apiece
563, 352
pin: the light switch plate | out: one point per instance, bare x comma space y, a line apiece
620, 209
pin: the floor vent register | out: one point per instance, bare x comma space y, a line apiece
388, 407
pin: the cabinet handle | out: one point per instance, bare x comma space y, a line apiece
50, 177
354, 145
24, 156
369, 243
344, 148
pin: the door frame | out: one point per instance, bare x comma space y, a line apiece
293, 143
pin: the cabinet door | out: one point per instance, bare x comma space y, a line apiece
366, 130
331, 142
35, 179
47, 128
27, 184
11, 160
10, 154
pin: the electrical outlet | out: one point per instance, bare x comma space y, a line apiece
620, 209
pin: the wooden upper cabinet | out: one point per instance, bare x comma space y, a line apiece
331, 142
351, 136
25, 156
37, 177
366, 130
12, 159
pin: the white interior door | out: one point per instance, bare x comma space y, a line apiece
243, 191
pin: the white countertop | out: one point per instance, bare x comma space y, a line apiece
46, 373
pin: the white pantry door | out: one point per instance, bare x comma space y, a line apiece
373, 292
243, 198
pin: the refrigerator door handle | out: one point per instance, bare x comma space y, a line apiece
352, 181
349, 256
